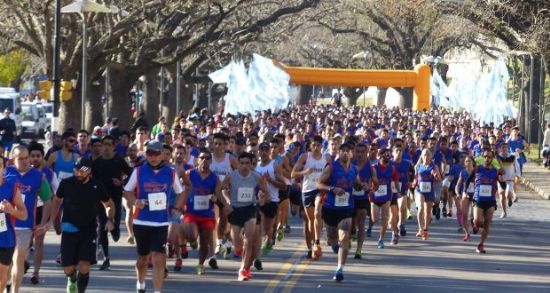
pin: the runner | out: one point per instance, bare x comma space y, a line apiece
510, 169
81, 196
152, 181
240, 206
398, 207
426, 174
309, 167
485, 204
11, 205
202, 190
465, 186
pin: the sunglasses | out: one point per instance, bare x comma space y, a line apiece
152, 153
206, 158
71, 140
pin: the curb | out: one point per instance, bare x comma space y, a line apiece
542, 193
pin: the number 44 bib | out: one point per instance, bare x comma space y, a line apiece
157, 201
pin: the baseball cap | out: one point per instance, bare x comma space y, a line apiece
154, 145
83, 163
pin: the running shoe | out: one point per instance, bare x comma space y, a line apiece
26, 266
467, 237
444, 212
194, 245
287, 229
480, 249
105, 265
357, 254
200, 270
280, 234
450, 214
131, 240
178, 265
338, 275
141, 290
335, 248
71, 286
267, 248
317, 252
475, 228
516, 199
402, 230
184, 252
242, 276
409, 215
35, 279
394, 238
258, 264
369, 232
503, 215
437, 213
226, 253
213, 263
510, 201
380, 244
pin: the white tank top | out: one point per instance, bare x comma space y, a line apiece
310, 181
269, 169
222, 168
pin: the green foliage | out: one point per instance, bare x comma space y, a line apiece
12, 65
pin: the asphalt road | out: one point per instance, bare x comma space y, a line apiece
518, 260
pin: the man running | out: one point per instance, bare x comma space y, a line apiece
510, 169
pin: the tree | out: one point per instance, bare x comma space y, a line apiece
12, 66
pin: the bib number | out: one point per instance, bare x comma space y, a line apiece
485, 190
245, 194
425, 186
356, 192
342, 200
470, 188
3, 224
157, 201
201, 202
381, 191
314, 177
62, 175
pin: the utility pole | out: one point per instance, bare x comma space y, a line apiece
56, 70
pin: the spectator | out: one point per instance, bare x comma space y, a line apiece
8, 131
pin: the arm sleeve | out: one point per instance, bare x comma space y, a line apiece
45, 191
132, 182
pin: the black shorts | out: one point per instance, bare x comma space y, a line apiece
6, 255
394, 198
76, 247
308, 198
150, 238
485, 205
333, 217
269, 209
38, 216
295, 195
283, 193
239, 216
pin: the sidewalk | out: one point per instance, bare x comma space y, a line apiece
537, 178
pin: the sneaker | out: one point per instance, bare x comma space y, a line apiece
444, 212
227, 253
71, 286
394, 238
450, 214
213, 263
258, 264
237, 253
338, 276
437, 213
200, 270
194, 245
131, 240
26, 266
475, 228
357, 254
178, 265
503, 215
267, 248
220, 249
184, 252
242, 276
35, 279
369, 232
402, 230
105, 265
480, 249
516, 199
317, 252
280, 234
141, 290
287, 229
409, 215
467, 237
510, 201
380, 244
335, 248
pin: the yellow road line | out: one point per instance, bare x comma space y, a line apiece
296, 275
274, 284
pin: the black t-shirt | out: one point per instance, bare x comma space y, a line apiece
105, 170
8, 125
81, 202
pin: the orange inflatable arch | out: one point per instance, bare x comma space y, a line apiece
418, 79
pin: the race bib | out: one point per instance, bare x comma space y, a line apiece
314, 177
201, 202
157, 201
381, 191
356, 192
425, 186
245, 194
3, 224
485, 190
470, 188
62, 175
342, 200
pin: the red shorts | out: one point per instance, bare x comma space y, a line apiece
205, 223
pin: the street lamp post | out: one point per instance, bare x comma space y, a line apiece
82, 7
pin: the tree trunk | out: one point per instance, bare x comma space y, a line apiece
202, 97
186, 97
119, 100
535, 91
353, 93
93, 106
304, 94
381, 96
168, 107
151, 97
69, 112
405, 97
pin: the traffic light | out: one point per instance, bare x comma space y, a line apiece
66, 90
45, 91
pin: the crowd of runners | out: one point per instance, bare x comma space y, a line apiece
228, 185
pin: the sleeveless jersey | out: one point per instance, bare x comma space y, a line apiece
222, 168
402, 169
29, 184
384, 192
243, 189
153, 187
7, 232
270, 170
345, 179
310, 181
486, 184
517, 144
198, 202
508, 165
63, 169
365, 175
468, 184
425, 180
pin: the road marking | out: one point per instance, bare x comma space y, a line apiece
288, 270
296, 275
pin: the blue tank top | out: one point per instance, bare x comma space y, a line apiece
198, 202
28, 184
155, 188
425, 180
384, 192
486, 184
468, 184
340, 177
517, 144
365, 175
63, 169
403, 172
7, 237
